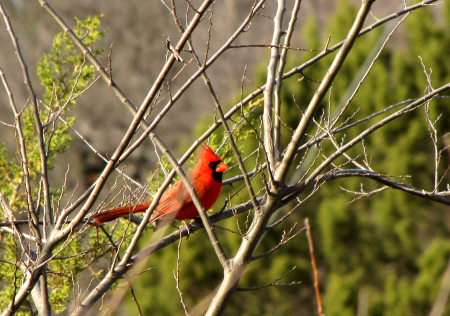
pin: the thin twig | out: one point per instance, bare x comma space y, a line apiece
323, 88
227, 129
313, 263
177, 275
369, 68
134, 296
37, 122
273, 283
374, 127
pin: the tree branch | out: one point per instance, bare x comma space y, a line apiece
325, 84
270, 83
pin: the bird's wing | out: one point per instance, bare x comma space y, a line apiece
172, 201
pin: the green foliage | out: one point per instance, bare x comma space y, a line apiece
64, 73
69, 261
11, 180
65, 76
10, 273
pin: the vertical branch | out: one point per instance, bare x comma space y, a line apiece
434, 139
346, 101
177, 275
37, 121
21, 141
268, 91
243, 255
443, 295
431, 128
39, 293
34, 223
279, 81
43, 303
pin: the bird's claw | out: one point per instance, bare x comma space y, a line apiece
186, 225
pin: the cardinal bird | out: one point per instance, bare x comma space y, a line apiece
176, 203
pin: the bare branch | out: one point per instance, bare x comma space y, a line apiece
373, 128
24, 160
322, 90
313, 263
177, 277
227, 129
369, 68
443, 294
305, 65
284, 239
273, 283
270, 83
329, 50
440, 197
279, 81
37, 122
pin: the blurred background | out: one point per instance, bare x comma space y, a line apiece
384, 254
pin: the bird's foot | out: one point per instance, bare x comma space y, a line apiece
186, 225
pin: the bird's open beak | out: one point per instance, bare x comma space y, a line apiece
221, 167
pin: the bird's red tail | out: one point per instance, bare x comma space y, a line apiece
123, 211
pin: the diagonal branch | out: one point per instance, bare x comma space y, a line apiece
121, 269
138, 114
257, 6
310, 62
24, 160
226, 127
198, 204
299, 133
439, 197
373, 128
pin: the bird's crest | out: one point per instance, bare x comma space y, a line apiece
207, 154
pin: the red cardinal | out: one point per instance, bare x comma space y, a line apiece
176, 203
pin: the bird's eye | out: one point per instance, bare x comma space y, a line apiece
213, 164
